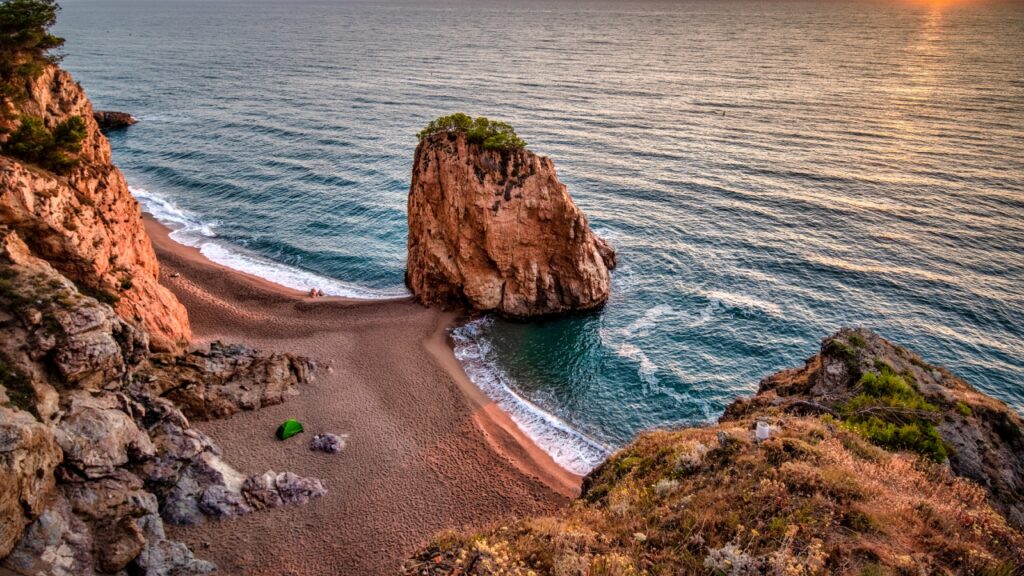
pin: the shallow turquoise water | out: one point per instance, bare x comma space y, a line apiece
767, 171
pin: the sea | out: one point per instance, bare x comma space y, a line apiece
767, 171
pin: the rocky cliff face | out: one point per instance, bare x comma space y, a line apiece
830, 488
94, 453
494, 230
86, 223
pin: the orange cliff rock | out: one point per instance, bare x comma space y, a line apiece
86, 223
494, 230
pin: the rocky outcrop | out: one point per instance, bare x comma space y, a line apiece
984, 438
832, 468
494, 230
224, 380
109, 120
94, 455
54, 335
86, 223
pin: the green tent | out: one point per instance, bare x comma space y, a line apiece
290, 428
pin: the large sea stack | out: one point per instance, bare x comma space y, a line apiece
492, 229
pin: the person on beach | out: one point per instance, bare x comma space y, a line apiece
312, 292
319, 293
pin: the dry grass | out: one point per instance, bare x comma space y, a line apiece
813, 499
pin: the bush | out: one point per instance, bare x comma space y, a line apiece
25, 42
54, 150
892, 414
491, 134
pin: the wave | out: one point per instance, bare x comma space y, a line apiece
569, 448
188, 229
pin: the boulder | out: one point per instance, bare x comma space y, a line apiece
495, 231
330, 443
109, 120
270, 490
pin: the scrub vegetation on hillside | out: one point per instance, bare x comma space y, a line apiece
814, 499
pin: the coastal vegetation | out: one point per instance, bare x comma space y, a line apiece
891, 413
26, 43
26, 46
55, 150
491, 134
814, 499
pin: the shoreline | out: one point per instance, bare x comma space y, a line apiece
390, 381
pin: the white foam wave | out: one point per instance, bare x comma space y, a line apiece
190, 230
647, 370
569, 448
745, 302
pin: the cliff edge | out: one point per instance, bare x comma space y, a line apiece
80, 217
492, 229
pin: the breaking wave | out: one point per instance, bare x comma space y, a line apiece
569, 448
190, 230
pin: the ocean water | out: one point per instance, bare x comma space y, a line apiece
768, 171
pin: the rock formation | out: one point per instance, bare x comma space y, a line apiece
94, 455
85, 222
109, 120
846, 481
494, 230
224, 380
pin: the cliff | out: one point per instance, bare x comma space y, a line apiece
494, 230
84, 221
95, 454
876, 462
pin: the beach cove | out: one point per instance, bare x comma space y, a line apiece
426, 450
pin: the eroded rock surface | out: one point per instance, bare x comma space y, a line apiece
225, 379
92, 459
28, 456
494, 230
86, 223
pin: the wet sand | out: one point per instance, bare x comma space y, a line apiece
426, 449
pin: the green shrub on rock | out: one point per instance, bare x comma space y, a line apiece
54, 150
491, 134
890, 412
25, 42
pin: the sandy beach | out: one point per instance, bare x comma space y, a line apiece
426, 449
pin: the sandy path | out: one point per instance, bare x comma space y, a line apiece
426, 450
